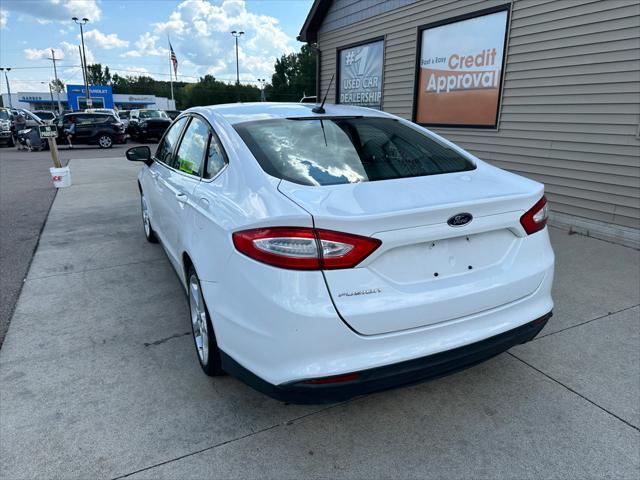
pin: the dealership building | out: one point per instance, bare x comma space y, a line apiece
546, 89
74, 98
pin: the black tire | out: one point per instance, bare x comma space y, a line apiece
105, 141
211, 364
149, 234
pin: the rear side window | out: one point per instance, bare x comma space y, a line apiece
101, 119
192, 148
81, 119
216, 159
168, 143
337, 150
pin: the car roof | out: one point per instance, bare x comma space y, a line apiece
80, 114
247, 112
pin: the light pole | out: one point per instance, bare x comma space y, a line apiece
262, 82
237, 35
84, 59
5, 70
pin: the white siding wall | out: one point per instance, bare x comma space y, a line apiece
571, 101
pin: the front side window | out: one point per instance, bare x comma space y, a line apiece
191, 151
46, 115
337, 150
168, 143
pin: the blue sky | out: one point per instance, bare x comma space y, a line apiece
131, 37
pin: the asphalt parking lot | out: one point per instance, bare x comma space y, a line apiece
26, 193
98, 377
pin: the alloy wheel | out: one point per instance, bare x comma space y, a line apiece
199, 319
145, 217
105, 141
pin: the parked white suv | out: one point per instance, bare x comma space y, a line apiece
331, 254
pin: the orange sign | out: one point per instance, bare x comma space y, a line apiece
460, 72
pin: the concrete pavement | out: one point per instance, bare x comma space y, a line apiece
26, 193
98, 377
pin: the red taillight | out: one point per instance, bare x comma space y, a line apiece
349, 377
536, 218
118, 126
301, 248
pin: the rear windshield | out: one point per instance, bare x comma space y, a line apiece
339, 150
152, 114
4, 115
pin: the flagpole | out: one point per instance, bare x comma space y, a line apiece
170, 74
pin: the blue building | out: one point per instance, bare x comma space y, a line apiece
101, 96
74, 98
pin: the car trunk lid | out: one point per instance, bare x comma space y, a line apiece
426, 271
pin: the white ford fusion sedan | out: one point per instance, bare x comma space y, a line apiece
332, 254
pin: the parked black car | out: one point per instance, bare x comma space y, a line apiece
92, 128
145, 124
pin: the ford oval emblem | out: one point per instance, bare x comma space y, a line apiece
460, 219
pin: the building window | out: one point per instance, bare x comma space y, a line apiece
459, 70
359, 74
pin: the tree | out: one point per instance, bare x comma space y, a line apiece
294, 76
96, 76
57, 85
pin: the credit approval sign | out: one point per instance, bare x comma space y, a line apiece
460, 71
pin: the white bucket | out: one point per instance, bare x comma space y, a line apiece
61, 177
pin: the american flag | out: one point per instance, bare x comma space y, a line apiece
174, 60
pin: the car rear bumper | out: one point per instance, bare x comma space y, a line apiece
324, 390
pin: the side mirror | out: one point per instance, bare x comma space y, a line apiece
140, 153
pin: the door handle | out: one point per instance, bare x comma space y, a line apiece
181, 197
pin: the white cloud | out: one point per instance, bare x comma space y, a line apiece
64, 50
174, 24
103, 40
146, 45
200, 35
36, 53
56, 10
4, 18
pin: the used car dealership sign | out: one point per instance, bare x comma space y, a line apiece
360, 75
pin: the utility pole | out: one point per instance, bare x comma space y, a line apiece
83, 60
55, 74
237, 35
262, 82
5, 70
50, 93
